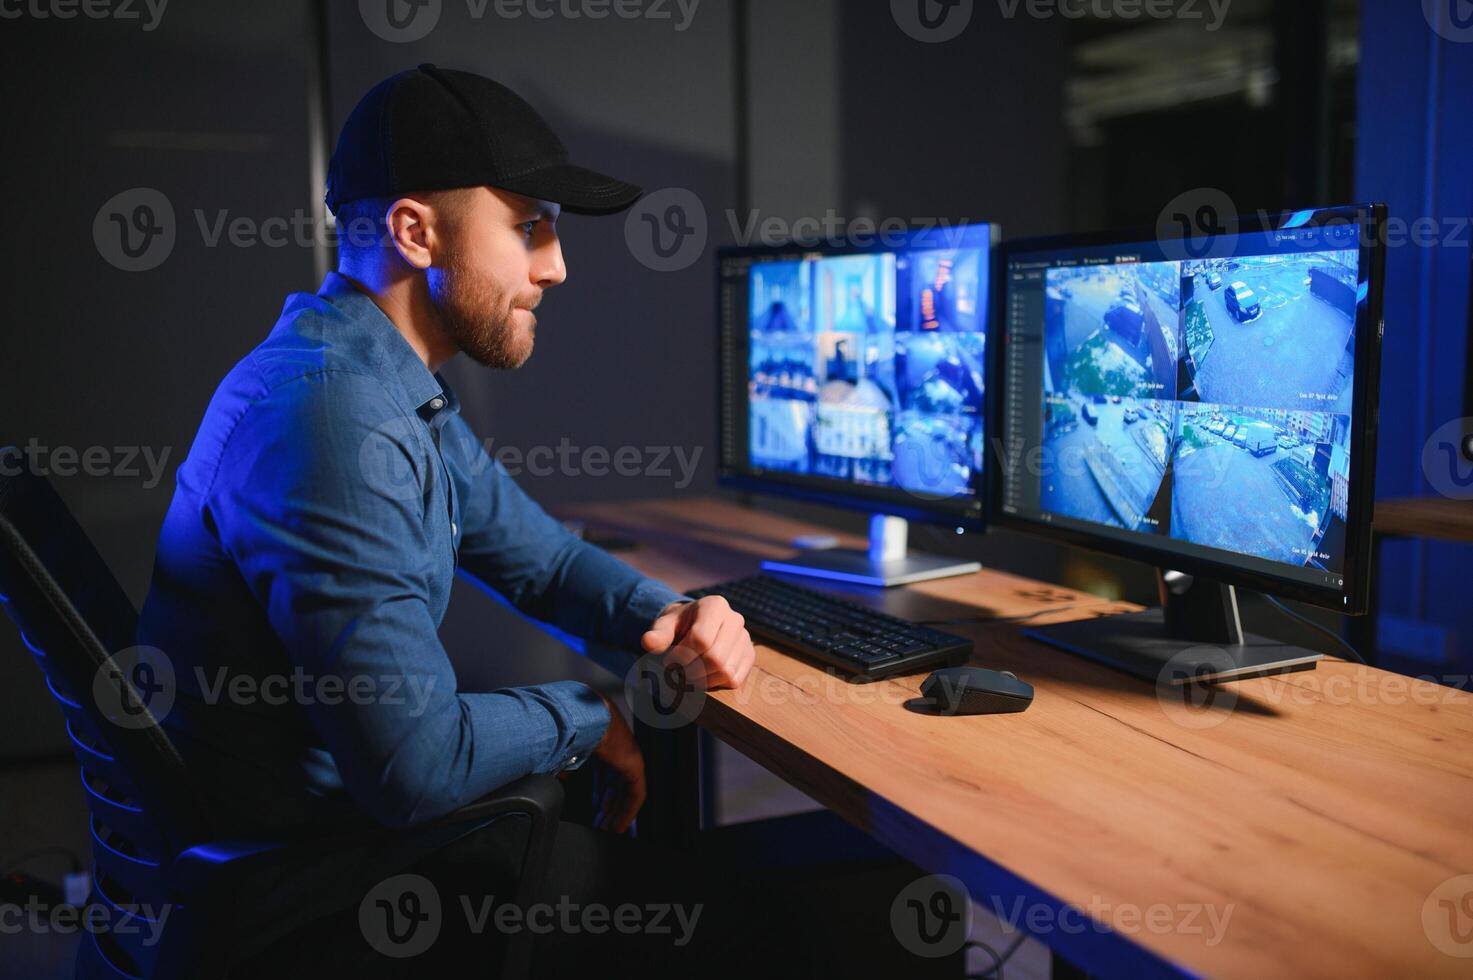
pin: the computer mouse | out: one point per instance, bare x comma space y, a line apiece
976, 691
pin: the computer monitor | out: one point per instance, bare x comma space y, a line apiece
855, 374
1204, 404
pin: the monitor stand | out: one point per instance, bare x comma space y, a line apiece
1195, 637
886, 562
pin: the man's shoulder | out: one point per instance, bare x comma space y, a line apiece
306, 365
295, 390
307, 342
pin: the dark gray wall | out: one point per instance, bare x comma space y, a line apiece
969, 128
209, 109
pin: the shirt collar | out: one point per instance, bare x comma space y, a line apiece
428, 393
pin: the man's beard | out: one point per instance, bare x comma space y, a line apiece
480, 317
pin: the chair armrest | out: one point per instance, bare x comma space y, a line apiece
541, 795
242, 895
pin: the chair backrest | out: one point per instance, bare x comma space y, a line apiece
80, 627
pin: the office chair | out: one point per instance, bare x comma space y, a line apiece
152, 841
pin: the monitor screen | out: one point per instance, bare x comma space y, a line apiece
1202, 405
858, 374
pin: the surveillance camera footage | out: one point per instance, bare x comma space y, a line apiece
1207, 402
1271, 330
869, 368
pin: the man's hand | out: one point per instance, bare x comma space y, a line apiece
619, 789
706, 637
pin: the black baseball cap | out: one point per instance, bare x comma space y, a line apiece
431, 129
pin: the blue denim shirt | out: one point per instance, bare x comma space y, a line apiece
305, 565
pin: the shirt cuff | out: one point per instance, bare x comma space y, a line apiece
587, 718
645, 604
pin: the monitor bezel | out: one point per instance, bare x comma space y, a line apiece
1353, 598
969, 513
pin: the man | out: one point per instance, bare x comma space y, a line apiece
333, 490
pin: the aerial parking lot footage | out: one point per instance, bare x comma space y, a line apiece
1271, 330
1263, 482
1207, 400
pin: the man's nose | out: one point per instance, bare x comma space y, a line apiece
550, 269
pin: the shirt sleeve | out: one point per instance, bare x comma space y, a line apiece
341, 564
511, 544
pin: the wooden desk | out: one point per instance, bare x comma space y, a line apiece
1317, 811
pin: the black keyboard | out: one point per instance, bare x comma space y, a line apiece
846, 635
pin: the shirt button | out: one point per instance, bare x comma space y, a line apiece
573, 760
454, 529
437, 403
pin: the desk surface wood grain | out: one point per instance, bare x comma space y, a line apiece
1293, 826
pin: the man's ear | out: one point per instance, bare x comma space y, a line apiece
409, 223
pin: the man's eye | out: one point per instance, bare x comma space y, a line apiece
528, 228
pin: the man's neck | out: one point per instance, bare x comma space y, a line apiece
406, 302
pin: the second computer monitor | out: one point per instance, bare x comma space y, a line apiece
1207, 406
